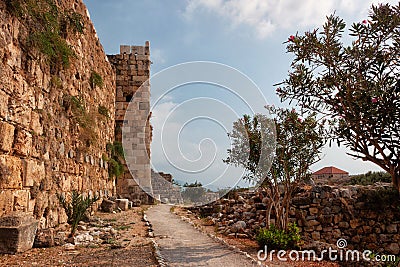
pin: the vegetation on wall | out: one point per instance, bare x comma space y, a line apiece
49, 28
95, 80
77, 108
116, 156
103, 111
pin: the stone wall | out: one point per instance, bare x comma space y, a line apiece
368, 217
45, 146
132, 68
164, 190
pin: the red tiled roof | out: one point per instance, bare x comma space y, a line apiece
330, 170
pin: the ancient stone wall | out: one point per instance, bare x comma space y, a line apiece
132, 67
164, 190
55, 121
366, 216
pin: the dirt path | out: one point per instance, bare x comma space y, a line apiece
182, 245
129, 247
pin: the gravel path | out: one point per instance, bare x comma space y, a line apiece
181, 244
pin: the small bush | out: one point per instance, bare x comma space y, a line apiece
74, 21
49, 27
85, 120
103, 111
96, 80
115, 166
76, 208
56, 49
275, 238
370, 178
56, 82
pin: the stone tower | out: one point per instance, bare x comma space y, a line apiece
132, 68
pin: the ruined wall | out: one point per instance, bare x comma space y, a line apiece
132, 67
164, 190
55, 118
366, 216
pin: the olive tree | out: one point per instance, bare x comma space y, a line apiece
296, 144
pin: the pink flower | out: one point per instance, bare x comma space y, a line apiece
299, 119
291, 38
374, 100
364, 21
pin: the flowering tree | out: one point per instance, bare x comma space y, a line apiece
356, 86
298, 143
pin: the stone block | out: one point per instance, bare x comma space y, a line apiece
17, 233
3, 104
313, 210
393, 248
108, 205
35, 124
6, 201
22, 116
391, 228
316, 236
21, 200
34, 171
10, 172
44, 238
123, 204
125, 49
354, 223
6, 137
23, 143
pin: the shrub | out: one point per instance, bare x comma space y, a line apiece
95, 80
76, 208
74, 21
88, 125
103, 111
115, 166
370, 178
275, 238
49, 28
56, 49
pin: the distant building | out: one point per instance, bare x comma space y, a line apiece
330, 175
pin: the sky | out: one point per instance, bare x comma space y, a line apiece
245, 40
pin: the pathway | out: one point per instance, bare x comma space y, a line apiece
182, 245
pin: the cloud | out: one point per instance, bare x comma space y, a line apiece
190, 141
158, 56
267, 17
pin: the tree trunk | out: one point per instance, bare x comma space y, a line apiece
395, 179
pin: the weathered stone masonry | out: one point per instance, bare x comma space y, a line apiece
132, 67
366, 216
43, 150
